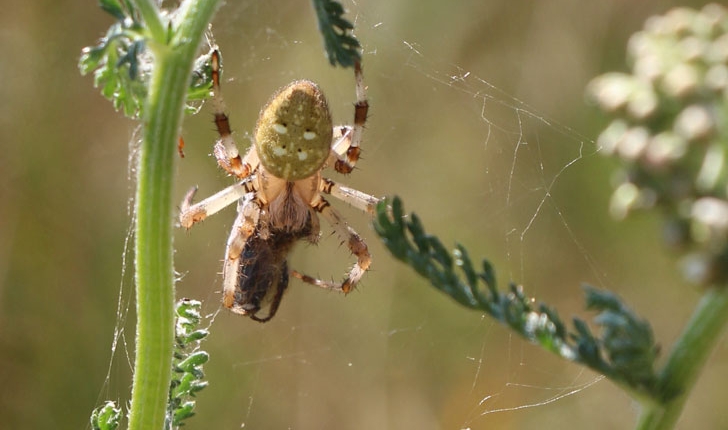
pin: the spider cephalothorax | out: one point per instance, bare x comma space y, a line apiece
279, 192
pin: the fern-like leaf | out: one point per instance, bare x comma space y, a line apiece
624, 351
341, 46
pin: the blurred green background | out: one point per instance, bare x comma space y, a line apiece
478, 121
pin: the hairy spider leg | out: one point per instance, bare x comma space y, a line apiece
353, 241
347, 139
191, 214
243, 227
226, 151
362, 201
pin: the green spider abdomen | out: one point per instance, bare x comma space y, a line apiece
294, 132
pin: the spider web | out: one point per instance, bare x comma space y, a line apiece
468, 124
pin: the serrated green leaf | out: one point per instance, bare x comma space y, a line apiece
106, 417
341, 47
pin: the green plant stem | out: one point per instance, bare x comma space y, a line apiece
152, 19
686, 360
173, 62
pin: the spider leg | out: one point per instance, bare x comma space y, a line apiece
362, 201
225, 150
353, 241
194, 213
345, 151
243, 228
341, 138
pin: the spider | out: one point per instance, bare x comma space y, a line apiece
280, 192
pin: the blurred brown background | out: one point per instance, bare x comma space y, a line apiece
477, 112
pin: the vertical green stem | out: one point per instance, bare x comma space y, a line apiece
154, 272
152, 20
687, 359
173, 62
